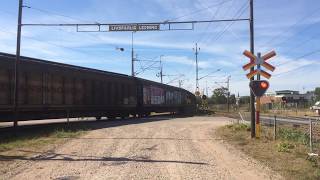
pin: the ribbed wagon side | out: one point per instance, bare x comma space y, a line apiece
54, 90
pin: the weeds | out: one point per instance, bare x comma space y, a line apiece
285, 147
37, 138
286, 155
239, 127
293, 135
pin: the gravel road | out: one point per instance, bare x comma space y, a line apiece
165, 148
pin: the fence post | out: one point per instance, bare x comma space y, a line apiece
310, 131
68, 116
242, 120
275, 127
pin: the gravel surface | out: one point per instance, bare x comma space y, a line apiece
179, 148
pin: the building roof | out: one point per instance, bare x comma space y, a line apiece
287, 92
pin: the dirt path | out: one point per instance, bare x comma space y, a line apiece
182, 148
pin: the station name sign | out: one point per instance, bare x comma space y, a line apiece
134, 27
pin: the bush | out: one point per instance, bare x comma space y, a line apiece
238, 127
293, 135
284, 147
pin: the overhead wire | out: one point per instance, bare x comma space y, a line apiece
298, 58
66, 16
240, 12
303, 56
290, 27
60, 14
199, 10
53, 44
209, 24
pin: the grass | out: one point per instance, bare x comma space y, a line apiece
287, 155
293, 135
39, 137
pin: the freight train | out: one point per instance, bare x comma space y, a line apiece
50, 90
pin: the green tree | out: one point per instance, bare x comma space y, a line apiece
245, 100
219, 95
232, 99
317, 93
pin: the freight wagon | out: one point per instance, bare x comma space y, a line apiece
54, 90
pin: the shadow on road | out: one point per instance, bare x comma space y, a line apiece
50, 156
44, 130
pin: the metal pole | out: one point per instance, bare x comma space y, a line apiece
228, 95
16, 66
180, 83
253, 130
258, 106
258, 117
161, 73
275, 128
310, 139
197, 70
207, 88
132, 56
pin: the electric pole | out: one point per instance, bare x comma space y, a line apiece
161, 73
197, 69
16, 66
132, 56
180, 83
206, 88
228, 95
252, 99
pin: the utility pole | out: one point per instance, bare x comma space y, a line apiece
207, 88
252, 99
180, 83
132, 56
161, 73
197, 69
16, 66
228, 95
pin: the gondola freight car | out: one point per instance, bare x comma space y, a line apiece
54, 90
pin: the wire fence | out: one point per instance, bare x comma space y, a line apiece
304, 130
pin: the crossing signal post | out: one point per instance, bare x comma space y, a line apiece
258, 87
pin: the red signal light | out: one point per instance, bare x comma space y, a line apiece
264, 85
259, 87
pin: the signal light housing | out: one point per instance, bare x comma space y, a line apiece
204, 97
259, 87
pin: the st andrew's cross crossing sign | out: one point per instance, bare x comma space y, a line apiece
257, 60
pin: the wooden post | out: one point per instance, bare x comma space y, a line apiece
275, 128
258, 126
310, 132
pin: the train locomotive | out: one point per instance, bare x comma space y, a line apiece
51, 90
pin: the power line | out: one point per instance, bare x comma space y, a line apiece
224, 15
209, 24
200, 10
58, 14
291, 27
62, 15
53, 44
299, 45
241, 12
303, 56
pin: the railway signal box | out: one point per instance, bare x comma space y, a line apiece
259, 87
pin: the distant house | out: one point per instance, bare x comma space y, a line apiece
287, 97
295, 97
269, 100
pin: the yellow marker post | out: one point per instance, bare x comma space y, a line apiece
258, 117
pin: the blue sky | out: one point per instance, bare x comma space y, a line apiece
291, 28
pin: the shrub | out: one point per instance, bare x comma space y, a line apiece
293, 135
284, 147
